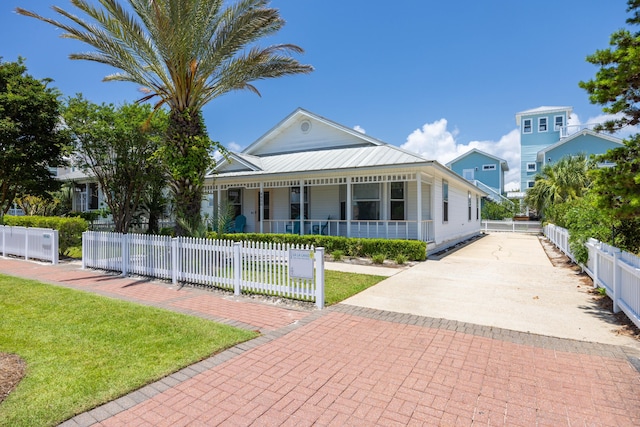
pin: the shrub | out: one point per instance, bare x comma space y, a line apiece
337, 255
401, 259
413, 250
69, 229
378, 258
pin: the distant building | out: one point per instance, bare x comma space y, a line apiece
545, 138
484, 170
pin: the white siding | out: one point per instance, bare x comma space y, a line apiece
292, 139
279, 203
458, 227
411, 201
324, 202
426, 202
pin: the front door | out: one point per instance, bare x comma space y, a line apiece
267, 212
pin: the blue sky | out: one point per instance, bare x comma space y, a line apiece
437, 78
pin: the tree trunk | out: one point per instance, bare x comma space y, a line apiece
187, 158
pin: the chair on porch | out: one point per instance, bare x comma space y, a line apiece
293, 228
316, 229
239, 224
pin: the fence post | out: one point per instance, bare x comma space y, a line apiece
616, 279
596, 261
237, 267
319, 257
54, 248
26, 243
124, 242
85, 249
174, 260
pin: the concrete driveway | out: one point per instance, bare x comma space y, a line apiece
502, 280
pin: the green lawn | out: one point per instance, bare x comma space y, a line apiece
83, 350
339, 286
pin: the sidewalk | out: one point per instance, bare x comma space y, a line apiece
350, 365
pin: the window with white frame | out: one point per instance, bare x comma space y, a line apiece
531, 167
397, 204
469, 205
445, 201
527, 126
488, 167
530, 184
468, 174
234, 199
542, 124
477, 208
294, 202
366, 201
558, 122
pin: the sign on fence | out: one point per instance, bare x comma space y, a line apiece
301, 263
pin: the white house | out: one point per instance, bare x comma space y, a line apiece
311, 175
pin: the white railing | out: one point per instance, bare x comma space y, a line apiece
239, 266
616, 271
386, 229
30, 243
512, 226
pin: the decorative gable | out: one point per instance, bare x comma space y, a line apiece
303, 131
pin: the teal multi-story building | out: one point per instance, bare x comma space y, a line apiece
484, 170
545, 137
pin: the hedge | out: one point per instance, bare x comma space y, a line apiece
413, 250
69, 229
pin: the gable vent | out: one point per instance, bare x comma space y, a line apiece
305, 126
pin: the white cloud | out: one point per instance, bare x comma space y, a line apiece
359, 128
234, 146
434, 141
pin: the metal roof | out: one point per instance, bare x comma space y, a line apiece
332, 159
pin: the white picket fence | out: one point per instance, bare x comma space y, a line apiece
511, 226
30, 243
610, 268
253, 267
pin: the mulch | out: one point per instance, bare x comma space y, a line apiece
12, 370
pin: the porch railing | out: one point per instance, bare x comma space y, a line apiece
365, 229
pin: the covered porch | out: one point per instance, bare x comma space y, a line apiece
375, 205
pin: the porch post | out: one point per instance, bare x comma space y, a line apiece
219, 204
85, 208
349, 208
419, 207
302, 212
261, 207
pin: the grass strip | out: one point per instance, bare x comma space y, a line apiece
339, 285
83, 350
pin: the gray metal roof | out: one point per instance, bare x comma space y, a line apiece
332, 159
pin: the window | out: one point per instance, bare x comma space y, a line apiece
542, 124
343, 202
397, 201
558, 122
366, 201
265, 203
477, 208
531, 167
469, 205
234, 198
530, 184
488, 167
93, 196
526, 126
445, 201
468, 174
294, 202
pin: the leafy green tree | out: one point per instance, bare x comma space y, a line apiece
497, 211
186, 53
559, 182
617, 88
117, 146
31, 140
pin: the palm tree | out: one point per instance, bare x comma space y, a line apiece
559, 182
185, 53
